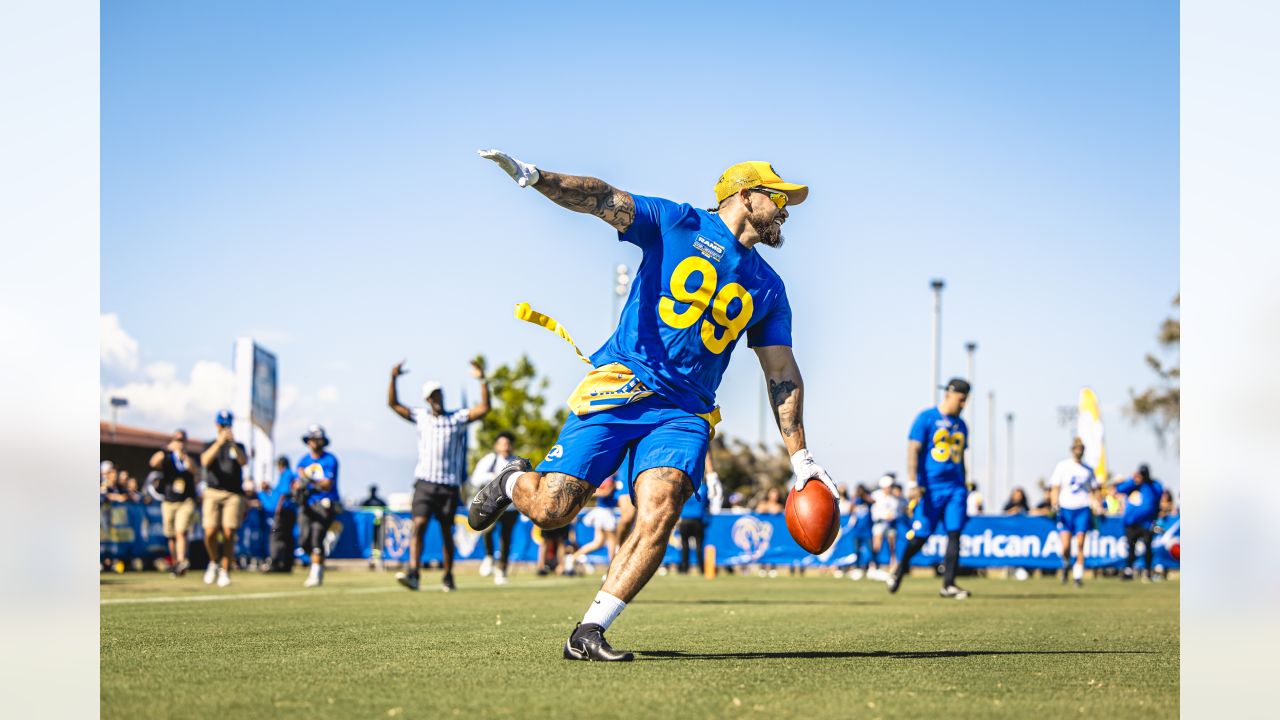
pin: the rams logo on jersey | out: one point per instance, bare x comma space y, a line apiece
556, 452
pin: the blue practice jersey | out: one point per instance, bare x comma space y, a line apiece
1142, 502
696, 508
326, 463
943, 439
696, 292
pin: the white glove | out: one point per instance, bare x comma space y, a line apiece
802, 463
523, 173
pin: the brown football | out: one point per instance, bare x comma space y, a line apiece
812, 517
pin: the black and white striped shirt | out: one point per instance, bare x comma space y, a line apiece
442, 446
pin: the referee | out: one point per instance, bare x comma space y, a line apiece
442, 466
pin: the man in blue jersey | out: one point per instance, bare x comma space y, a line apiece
1142, 506
318, 498
935, 458
648, 405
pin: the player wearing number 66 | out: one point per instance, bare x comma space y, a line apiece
647, 408
935, 460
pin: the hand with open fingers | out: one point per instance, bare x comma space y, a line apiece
806, 469
523, 173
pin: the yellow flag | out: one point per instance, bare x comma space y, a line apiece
1089, 428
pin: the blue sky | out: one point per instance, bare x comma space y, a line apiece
305, 173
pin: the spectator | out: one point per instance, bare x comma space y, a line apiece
1142, 506
318, 499
603, 519
442, 466
974, 504
223, 506
177, 488
886, 509
373, 500
1044, 508
284, 512
557, 545
772, 502
486, 470
1112, 502
694, 516
109, 489
862, 532
1017, 503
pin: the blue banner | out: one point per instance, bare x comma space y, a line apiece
134, 531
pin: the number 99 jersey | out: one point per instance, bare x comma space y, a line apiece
696, 292
943, 439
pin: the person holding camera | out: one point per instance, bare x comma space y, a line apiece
176, 483
317, 497
223, 506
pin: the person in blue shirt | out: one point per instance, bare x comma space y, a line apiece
284, 514
935, 458
318, 498
695, 514
1142, 506
648, 405
861, 532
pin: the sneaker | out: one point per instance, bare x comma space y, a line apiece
856, 574
587, 643
316, 577
499, 577
210, 573
311, 581
407, 580
224, 578
182, 567
1079, 583
491, 500
486, 566
447, 584
894, 582
954, 591
1128, 574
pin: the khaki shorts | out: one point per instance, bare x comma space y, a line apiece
177, 517
222, 509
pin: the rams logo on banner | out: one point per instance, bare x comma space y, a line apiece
396, 533
555, 452
752, 536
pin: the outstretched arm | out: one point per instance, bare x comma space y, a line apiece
482, 408
393, 400
573, 192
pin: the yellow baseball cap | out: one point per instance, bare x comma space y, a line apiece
757, 173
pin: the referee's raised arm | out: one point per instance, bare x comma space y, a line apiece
393, 400
478, 411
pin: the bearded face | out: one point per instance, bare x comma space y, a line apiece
767, 222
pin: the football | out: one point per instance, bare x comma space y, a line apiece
812, 517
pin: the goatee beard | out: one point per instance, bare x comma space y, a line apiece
770, 233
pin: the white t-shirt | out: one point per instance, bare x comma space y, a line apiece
885, 506
1075, 481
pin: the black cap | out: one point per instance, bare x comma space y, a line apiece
959, 385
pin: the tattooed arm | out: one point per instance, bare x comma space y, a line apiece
786, 393
579, 194
589, 195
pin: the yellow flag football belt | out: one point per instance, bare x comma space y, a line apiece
605, 387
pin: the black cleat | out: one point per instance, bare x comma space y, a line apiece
491, 500
894, 582
1065, 573
954, 591
447, 584
587, 643
1079, 583
408, 580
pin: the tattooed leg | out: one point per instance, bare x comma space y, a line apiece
551, 500
659, 494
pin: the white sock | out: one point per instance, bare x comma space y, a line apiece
510, 487
1077, 572
604, 610
315, 569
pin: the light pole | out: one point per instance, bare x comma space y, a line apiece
1009, 462
116, 404
937, 284
970, 348
991, 440
621, 285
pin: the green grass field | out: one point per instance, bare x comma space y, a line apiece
812, 647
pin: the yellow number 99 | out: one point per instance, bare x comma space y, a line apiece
720, 312
698, 299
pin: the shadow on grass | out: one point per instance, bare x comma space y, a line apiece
841, 654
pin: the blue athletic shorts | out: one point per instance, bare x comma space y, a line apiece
947, 504
1078, 520
639, 436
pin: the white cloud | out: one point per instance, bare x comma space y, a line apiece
165, 399
117, 351
327, 394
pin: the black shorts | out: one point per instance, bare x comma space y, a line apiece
316, 521
435, 500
